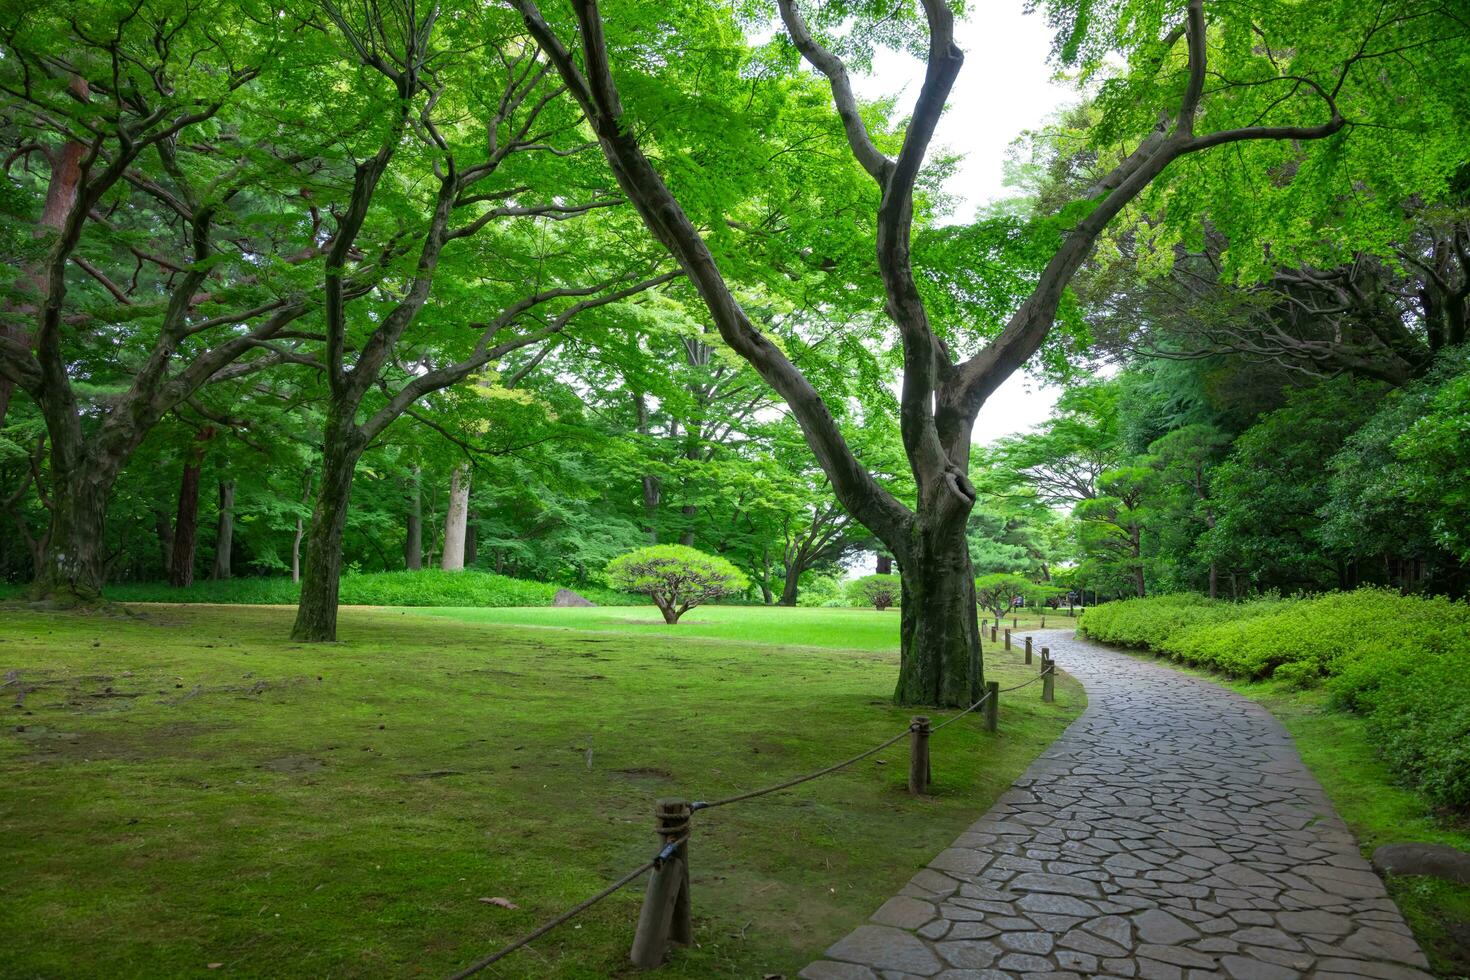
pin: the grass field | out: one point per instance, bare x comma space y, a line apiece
184, 787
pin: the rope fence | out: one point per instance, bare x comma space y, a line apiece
665, 919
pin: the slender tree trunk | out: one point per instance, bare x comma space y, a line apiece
61, 196
300, 527
316, 614
413, 542
455, 519
940, 662
186, 525
1214, 581
690, 511
224, 538
165, 532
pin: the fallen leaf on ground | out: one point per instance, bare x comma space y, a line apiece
504, 903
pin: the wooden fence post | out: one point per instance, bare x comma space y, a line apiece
1015, 622
1028, 649
666, 914
1048, 680
919, 755
1008, 639
992, 706
993, 632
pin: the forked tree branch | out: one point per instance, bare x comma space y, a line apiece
597, 94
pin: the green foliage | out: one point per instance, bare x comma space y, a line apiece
820, 590
1434, 454
1402, 661
676, 577
998, 592
429, 587
878, 591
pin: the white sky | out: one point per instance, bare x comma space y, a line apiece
1006, 86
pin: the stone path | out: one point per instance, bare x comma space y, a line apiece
1172, 832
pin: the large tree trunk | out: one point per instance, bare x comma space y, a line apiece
940, 662
413, 541
224, 538
471, 541
186, 526
316, 614
793, 582
73, 568
455, 519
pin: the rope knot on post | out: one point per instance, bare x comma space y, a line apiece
665, 917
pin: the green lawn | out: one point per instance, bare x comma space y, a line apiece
185, 787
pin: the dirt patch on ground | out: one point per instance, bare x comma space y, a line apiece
48, 744
294, 763
657, 775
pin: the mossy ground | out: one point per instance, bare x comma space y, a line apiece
186, 787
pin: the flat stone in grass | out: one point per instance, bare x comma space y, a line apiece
1434, 860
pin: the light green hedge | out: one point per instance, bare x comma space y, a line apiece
430, 587
1402, 661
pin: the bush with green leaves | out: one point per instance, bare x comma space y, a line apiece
878, 591
675, 577
1401, 661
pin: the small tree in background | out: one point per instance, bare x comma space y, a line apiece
675, 577
878, 591
999, 592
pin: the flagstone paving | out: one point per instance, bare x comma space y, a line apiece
1172, 833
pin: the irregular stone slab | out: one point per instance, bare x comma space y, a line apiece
1434, 860
904, 913
827, 970
1172, 833
566, 598
886, 948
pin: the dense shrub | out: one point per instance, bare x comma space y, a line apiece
1402, 661
677, 578
878, 591
429, 587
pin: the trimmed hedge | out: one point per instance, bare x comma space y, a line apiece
1403, 662
430, 587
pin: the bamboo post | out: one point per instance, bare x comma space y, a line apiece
1028, 649
665, 916
1008, 639
1048, 681
919, 755
992, 706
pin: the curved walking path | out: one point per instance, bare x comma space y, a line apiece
1171, 832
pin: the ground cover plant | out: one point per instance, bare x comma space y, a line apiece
428, 587
186, 787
